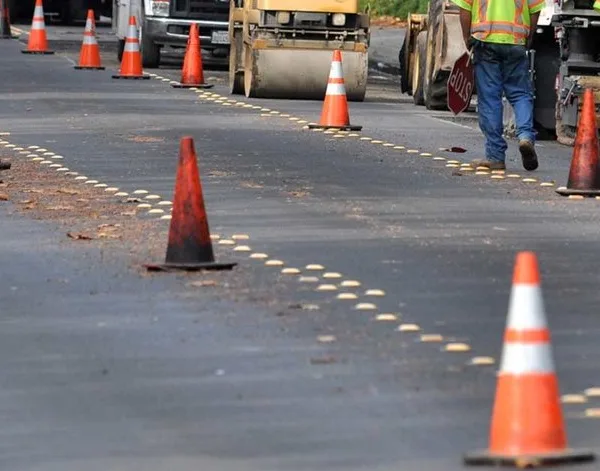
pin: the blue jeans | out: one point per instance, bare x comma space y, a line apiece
502, 68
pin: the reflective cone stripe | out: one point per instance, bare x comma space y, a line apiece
38, 41
89, 57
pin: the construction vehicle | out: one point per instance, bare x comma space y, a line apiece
166, 23
565, 58
284, 48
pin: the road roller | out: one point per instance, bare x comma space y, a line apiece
284, 48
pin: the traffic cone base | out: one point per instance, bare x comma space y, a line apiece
335, 128
190, 246
584, 173
132, 77
527, 427
78, 67
202, 85
335, 113
47, 53
568, 456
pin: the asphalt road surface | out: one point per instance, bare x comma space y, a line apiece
105, 367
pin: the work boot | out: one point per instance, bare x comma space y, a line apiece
528, 154
491, 164
4, 165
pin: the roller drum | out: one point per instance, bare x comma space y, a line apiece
302, 74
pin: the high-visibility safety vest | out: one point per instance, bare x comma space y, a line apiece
597, 5
501, 21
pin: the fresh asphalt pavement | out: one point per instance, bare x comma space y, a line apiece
119, 371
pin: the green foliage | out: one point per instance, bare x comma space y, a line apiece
396, 8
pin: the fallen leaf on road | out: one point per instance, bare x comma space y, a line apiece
74, 236
3, 197
26, 202
457, 150
202, 283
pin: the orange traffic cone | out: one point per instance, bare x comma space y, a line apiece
89, 57
335, 109
584, 175
527, 427
38, 41
190, 246
131, 64
5, 31
192, 73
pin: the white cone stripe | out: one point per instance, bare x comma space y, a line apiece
89, 40
526, 308
38, 12
520, 359
336, 89
131, 47
336, 71
132, 32
38, 25
88, 26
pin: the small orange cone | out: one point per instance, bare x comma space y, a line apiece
5, 30
38, 41
131, 64
527, 428
192, 72
584, 175
335, 113
89, 57
190, 246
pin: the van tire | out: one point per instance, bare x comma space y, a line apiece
150, 52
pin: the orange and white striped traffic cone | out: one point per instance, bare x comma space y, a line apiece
89, 57
192, 72
527, 428
5, 30
335, 114
131, 64
38, 41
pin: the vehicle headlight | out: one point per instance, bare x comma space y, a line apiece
283, 17
338, 19
160, 7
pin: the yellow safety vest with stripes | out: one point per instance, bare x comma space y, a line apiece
597, 5
501, 21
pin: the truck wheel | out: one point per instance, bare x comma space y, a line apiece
120, 49
419, 69
150, 51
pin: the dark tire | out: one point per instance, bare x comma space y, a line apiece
404, 82
120, 49
236, 72
435, 88
150, 52
419, 69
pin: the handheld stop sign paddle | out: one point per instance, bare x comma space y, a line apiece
461, 84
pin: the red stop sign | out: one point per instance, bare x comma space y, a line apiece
460, 84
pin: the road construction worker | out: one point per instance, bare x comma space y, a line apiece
499, 32
597, 5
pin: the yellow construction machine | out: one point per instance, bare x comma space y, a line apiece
284, 48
